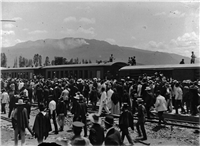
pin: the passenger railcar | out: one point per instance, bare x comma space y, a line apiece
23, 72
93, 70
175, 71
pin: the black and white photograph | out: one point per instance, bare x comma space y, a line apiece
100, 73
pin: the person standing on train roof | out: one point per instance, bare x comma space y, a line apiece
182, 61
192, 58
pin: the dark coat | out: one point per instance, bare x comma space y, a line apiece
42, 126
61, 108
20, 118
113, 137
96, 135
126, 120
115, 98
141, 113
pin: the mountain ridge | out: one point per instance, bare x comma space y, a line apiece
92, 49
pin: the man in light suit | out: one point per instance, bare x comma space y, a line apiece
161, 106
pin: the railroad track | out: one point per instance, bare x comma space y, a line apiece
6, 119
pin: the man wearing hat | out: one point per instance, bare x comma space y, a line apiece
112, 135
141, 119
20, 122
126, 121
96, 135
148, 98
77, 138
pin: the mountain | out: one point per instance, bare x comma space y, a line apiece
87, 49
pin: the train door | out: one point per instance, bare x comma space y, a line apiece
98, 74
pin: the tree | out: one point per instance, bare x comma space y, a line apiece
47, 62
3, 60
40, 60
36, 60
15, 63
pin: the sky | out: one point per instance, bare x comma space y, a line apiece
171, 27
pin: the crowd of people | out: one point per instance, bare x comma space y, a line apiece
56, 98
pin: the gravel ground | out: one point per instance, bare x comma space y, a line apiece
165, 136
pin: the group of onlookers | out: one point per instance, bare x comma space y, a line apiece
124, 97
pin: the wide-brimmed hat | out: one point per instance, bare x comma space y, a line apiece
109, 120
139, 100
94, 118
77, 97
148, 88
125, 105
20, 102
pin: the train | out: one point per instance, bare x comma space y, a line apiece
176, 71
92, 70
109, 70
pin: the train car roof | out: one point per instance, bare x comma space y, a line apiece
163, 67
20, 68
84, 65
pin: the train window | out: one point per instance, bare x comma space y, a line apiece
76, 73
86, 74
90, 74
66, 74
49, 74
80, 73
57, 74
61, 74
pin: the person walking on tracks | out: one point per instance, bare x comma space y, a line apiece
42, 125
141, 119
161, 106
4, 101
20, 122
96, 135
126, 122
112, 135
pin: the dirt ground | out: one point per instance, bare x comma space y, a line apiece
165, 136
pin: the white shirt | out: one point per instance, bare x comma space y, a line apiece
4, 97
52, 106
109, 94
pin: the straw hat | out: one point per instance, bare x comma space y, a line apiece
20, 102
94, 118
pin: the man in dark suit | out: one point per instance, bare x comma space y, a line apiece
112, 135
96, 135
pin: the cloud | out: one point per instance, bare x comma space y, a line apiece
160, 14
111, 41
133, 38
7, 32
8, 25
171, 14
17, 18
70, 19
87, 20
86, 31
19, 41
86, 8
176, 14
81, 20
38, 32
89, 31
182, 45
186, 40
25, 29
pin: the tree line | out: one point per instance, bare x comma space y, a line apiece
37, 61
